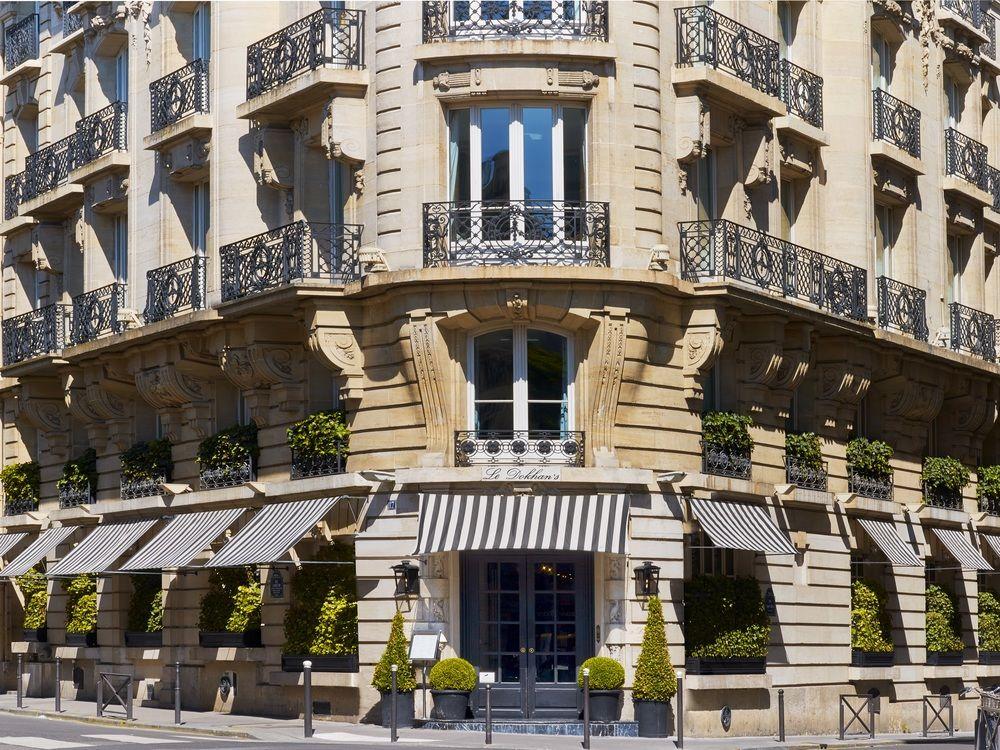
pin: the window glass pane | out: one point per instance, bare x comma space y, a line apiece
538, 9
494, 365
458, 154
495, 126
495, 10
537, 123
574, 163
494, 416
546, 417
460, 9
546, 366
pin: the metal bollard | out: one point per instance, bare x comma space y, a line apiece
177, 692
20, 680
128, 699
871, 717
586, 709
58, 685
100, 695
951, 717
307, 712
781, 715
680, 712
489, 714
923, 730
393, 732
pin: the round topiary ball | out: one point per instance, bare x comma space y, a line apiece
605, 673
453, 674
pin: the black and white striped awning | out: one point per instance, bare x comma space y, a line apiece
101, 548
37, 551
740, 526
8, 542
898, 551
577, 523
272, 532
961, 549
182, 540
994, 541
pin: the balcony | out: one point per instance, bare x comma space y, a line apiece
33, 334
988, 51
519, 448
895, 122
990, 505
175, 288
46, 170
17, 507
875, 488
965, 167
179, 94
482, 19
942, 498
722, 463
74, 496
232, 475
516, 233
902, 308
98, 313
805, 476
304, 467
993, 180
967, 10
721, 249
294, 252
802, 93
973, 332
20, 49
99, 135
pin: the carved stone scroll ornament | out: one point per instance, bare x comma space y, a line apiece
39, 406
613, 335
332, 339
844, 376
911, 405
269, 375
967, 418
703, 341
182, 401
429, 365
345, 134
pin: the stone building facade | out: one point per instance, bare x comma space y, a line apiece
524, 247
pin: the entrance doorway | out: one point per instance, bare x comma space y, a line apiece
528, 618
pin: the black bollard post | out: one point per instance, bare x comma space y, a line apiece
586, 709
177, 692
393, 732
489, 715
781, 715
128, 698
307, 712
58, 685
680, 712
871, 717
100, 694
20, 680
951, 717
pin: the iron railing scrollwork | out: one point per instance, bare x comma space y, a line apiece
98, 312
993, 183
331, 36
902, 308
178, 94
71, 22
136, 488
100, 133
805, 476
895, 122
989, 27
968, 10
989, 504
940, 497
17, 507
723, 249
720, 462
297, 251
519, 447
20, 42
304, 466
965, 158
973, 331
174, 288
484, 19
516, 233
876, 488
31, 334
49, 167
802, 93
232, 475
13, 194
75, 495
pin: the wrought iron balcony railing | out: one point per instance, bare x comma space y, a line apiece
486, 19
175, 288
707, 37
516, 233
17, 507
233, 475
179, 94
876, 488
72, 22
74, 496
720, 462
804, 475
302, 250
802, 93
331, 36
100, 133
968, 10
519, 447
13, 194
902, 308
989, 27
989, 504
965, 158
20, 42
993, 181
32, 334
49, 167
943, 498
895, 122
973, 331
722, 249
98, 313
134, 489
304, 466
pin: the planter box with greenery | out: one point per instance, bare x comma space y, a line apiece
145, 466
870, 626
230, 610
655, 680
20, 487
943, 479
78, 480
869, 472
804, 465
319, 444
726, 444
145, 612
35, 635
81, 611
605, 683
322, 622
988, 489
452, 682
989, 628
228, 458
396, 652
34, 587
726, 626
943, 627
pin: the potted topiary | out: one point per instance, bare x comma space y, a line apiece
20, 487
655, 680
145, 613
319, 444
230, 610
396, 652
944, 644
145, 466
452, 682
944, 478
34, 588
804, 461
228, 457
988, 489
870, 644
869, 472
605, 686
81, 611
726, 444
989, 628
726, 627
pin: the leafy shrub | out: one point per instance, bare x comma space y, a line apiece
35, 590
655, 679
233, 601
727, 431
147, 460
79, 471
869, 458
806, 448
323, 617
943, 622
81, 605
229, 447
869, 625
396, 652
725, 618
605, 673
21, 482
988, 481
145, 608
989, 621
321, 434
453, 674
944, 473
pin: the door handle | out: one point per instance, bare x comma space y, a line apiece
531, 650
523, 650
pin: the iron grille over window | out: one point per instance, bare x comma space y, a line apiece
174, 288
316, 465
97, 313
802, 93
877, 488
71, 22
965, 158
101, 133
239, 472
16, 507
178, 94
31, 334
990, 29
72, 496
902, 308
485, 19
895, 122
993, 180
20, 42
973, 331
940, 497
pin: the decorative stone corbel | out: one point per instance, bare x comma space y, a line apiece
332, 339
967, 418
844, 376
183, 401
372, 260
428, 363
703, 342
274, 157
40, 404
613, 335
692, 132
345, 130
269, 375
756, 143
911, 403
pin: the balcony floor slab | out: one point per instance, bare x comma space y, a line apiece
896, 155
726, 89
55, 203
463, 49
941, 516
100, 166
193, 125
802, 130
953, 184
28, 69
868, 506
311, 88
986, 521
16, 224
66, 43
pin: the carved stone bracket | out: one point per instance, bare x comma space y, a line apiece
911, 403
345, 134
773, 359
967, 418
39, 404
332, 339
269, 375
429, 365
183, 401
844, 376
705, 334
613, 335
273, 158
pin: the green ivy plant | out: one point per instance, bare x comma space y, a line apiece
806, 448
324, 433
232, 603
989, 621
655, 679
943, 622
147, 461
944, 473
870, 625
988, 484
34, 588
79, 471
229, 447
323, 617
21, 482
728, 432
81, 605
869, 458
725, 618
145, 608
453, 674
396, 652
605, 673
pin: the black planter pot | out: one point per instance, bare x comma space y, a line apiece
989, 657
348, 663
82, 639
249, 639
404, 710
605, 705
944, 658
871, 658
35, 635
450, 705
653, 718
698, 665
142, 639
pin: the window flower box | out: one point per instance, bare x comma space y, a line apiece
702, 665
88, 640
944, 658
989, 657
861, 658
247, 639
35, 635
344, 663
139, 639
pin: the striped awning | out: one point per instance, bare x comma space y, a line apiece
182, 540
740, 526
8, 542
994, 541
272, 532
577, 523
37, 550
101, 548
898, 551
961, 549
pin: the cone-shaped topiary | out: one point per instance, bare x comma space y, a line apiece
655, 679
396, 652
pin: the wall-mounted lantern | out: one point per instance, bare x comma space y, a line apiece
407, 578
647, 580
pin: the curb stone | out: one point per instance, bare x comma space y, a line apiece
124, 723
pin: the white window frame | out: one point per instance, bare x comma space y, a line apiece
201, 219
883, 50
121, 74
885, 239
957, 259
201, 30
953, 95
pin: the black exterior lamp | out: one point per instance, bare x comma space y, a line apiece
407, 578
647, 579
